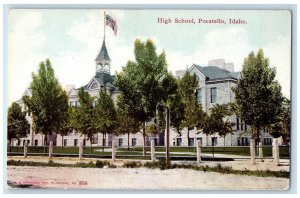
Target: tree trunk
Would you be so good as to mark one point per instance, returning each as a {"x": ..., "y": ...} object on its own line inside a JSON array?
[
  {"x": 103, "y": 141},
  {"x": 45, "y": 144},
  {"x": 257, "y": 135},
  {"x": 10, "y": 144},
  {"x": 144, "y": 139},
  {"x": 188, "y": 137},
  {"x": 62, "y": 141},
  {"x": 90, "y": 145},
  {"x": 128, "y": 141}
]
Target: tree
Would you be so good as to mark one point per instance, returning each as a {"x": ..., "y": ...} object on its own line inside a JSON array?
[
  {"x": 139, "y": 83},
  {"x": 49, "y": 102},
  {"x": 17, "y": 125},
  {"x": 258, "y": 95},
  {"x": 282, "y": 127},
  {"x": 104, "y": 120},
  {"x": 193, "y": 111},
  {"x": 82, "y": 116},
  {"x": 67, "y": 126},
  {"x": 219, "y": 121},
  {"x": 173, "y": 99},
  {"x": 126, "y": 124}
]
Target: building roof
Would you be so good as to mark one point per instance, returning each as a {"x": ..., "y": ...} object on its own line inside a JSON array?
[
  {"x": 104, "y": 79},
  {"x": 103, "y": 54},
  {"x": 216, "y": 73}
]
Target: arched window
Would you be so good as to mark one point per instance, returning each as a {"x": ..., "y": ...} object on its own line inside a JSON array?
[{"x": 94, "y": 86}]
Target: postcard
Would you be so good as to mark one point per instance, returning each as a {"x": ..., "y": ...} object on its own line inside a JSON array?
[{"x": 149, "y": 99}]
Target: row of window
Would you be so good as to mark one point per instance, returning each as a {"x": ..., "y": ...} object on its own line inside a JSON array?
[
  {"x": 213, "y": 95},
  {"x": 191, "y": 141},
  {"x": 74, "y": 103},
  {"x": 77, "y": 104},
  {"x": 243, "y": 141},
  {"x": 240, "y": 124}
]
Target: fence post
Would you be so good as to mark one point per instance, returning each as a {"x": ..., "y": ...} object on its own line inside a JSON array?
[
  {"x": 50, "y": 149},
  {"x": 113, "y": 155},
  {"x": 152, "y": 151},
  {"x": 276, "y": 152},
  {"x": 25, "y": 149},
  {"x": 260, "y": 151},
  {"x": 252, "y": 151},
  {"x": 80, "y": 150},
  {"x": 198, "y": 151}
]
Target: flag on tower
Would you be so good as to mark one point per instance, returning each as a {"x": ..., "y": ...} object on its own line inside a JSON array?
[{"x": 111, "y": 23}]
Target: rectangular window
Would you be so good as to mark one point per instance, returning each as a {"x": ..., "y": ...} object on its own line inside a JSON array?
[
  {"x": 213, "y": 94},
  {"x": 95, "y": 139},
  {"x": 19, "y": 142},
  {"x": 71, "y": 103},
  {"x": 191, "y": 142},
  {"x": 179, "y": 141},
  {"x": 237, "y": 123},
  {"x": 65, "y": 142},
  {"x": 214, "y": 141},
  {"x": 120, "y": 141},
  {"x": 242, "y": 125},
  {"x": 200, "y": 138},
  {"x": 28, "y": 142},
  {"x": 75, "y": 142},
  {"x": 133, "y": 142},
  {"x": 84, "y": 142},
  {"x": 199, "y": 95},
  {"x": 36, "y": 142}
]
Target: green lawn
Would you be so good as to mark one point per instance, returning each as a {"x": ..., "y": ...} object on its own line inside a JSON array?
[{"x": 182, "y": 151}]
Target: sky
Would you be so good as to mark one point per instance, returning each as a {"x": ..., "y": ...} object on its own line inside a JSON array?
[{"x": 72, "y": 39}]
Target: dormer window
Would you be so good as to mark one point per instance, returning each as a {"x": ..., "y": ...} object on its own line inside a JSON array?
[{"x": 94, "y": 86}]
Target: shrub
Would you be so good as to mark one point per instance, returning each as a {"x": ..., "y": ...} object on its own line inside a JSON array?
[
  {"x": 100, "y": 164},
  {"x": 132, "y": 164}
]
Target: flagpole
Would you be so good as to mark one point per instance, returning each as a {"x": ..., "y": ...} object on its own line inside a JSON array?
[{"x": 104, "y": 26}]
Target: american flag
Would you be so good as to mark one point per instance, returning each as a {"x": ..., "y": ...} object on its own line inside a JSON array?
[{"x": 112, "y": 23}]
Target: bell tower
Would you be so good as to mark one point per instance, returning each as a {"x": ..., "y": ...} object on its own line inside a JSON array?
[{"x": 103, "y": 60}]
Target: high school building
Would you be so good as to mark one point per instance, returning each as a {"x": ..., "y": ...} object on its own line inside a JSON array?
[{"x": 215, "y": 83}]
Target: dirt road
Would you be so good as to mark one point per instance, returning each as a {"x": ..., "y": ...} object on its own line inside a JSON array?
[{"x": 139, "y": 178}]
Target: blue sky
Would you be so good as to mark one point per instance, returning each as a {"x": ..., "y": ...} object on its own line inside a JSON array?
[{"x": 71, "y": 39}]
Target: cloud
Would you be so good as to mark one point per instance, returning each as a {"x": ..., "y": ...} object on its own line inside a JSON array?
[
  {"x": 279, "y": 54},
  {"x": 23, "y": 56},
  {"x": 232, "y": 44},
  {"x": 78, "y": 66}
]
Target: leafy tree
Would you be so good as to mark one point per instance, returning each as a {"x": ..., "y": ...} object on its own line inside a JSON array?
[
  {"x": 49, "y": 102},
  {"x": 219, "y": 121},
  {"x": 17, "y": 125},
  {"x": 139, "y": 83},
  {"x": 283, "y": 125},
  {"x": 171, "y": 98},
  {"x": 105, "y": 117},
  {"x": 67, "y": 126},
  {"x": 82, "y": 116},
  {"x": 257, "y": 94},
  {"x": 193, "y": 111},
  {"x": 126, "y": 124}
]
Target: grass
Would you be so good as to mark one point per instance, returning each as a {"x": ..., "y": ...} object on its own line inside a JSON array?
[
  {"x": 161, "y": 164},
  {"x": 132, "y": 164},
  {"x": 98, "y": 164},
  {"x": 182, "y": 151}
]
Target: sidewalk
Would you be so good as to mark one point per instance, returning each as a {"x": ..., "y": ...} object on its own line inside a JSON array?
[{"x": 237, "y": 164}]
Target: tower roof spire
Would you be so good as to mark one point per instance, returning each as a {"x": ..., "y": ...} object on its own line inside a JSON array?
[{"x": 103, "y": 54}]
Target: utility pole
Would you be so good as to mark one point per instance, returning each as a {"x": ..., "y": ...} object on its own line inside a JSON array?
[{"x": 167, "y": 134}]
